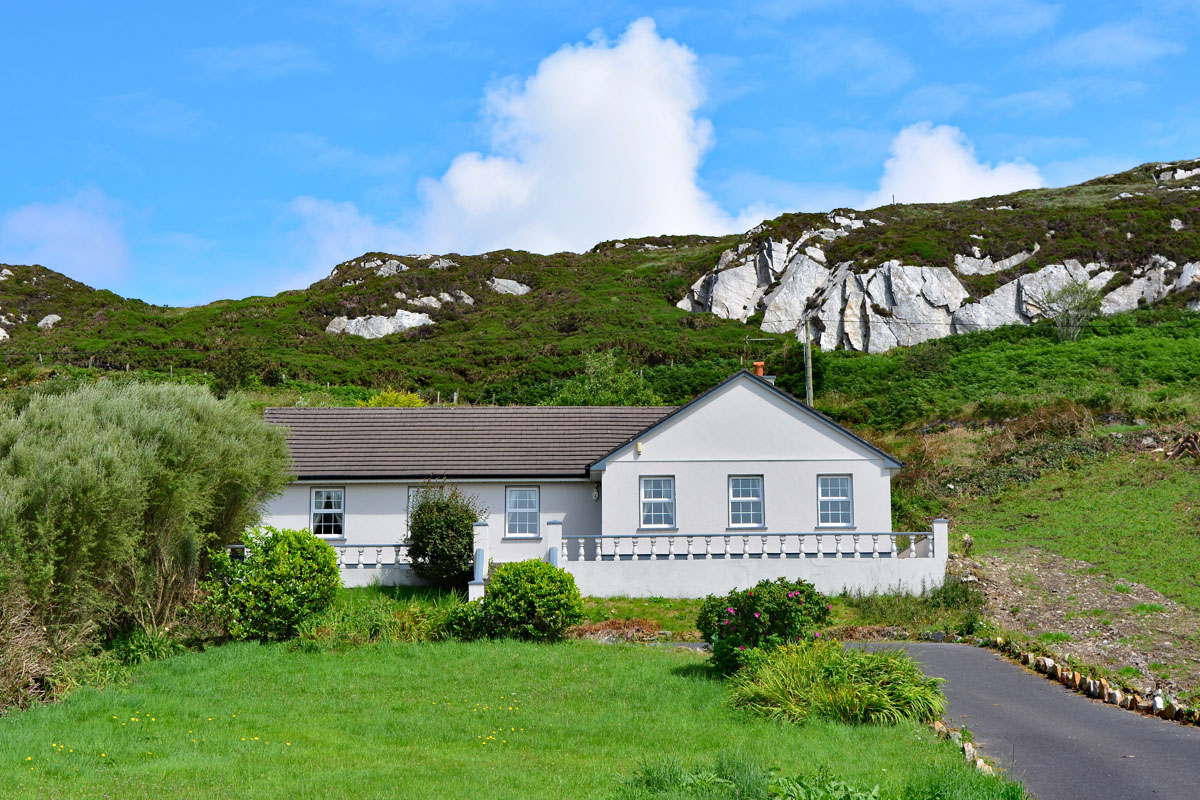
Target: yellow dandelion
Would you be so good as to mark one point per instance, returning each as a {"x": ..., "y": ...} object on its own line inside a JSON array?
[
  {"x": 29, "y": 758},
  {"x": 104, "y": 755},
  {"x": 289, "y": 744}
]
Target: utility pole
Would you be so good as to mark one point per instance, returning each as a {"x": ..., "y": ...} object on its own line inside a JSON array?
[{"x": 807, "y": 363}]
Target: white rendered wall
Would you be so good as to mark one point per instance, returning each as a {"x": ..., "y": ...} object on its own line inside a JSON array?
[
  {"x": 376, "y": 514},
  {"x": 746, "y": 429},
  {"x": 682, "y": 578}
]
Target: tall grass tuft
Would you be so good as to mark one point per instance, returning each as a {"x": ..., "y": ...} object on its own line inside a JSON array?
[
  {"x": 366, "y": 616},
  {"x": 823, "y": 679}
]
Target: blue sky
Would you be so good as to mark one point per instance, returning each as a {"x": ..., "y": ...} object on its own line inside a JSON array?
[{"x": 180, "y": 153}]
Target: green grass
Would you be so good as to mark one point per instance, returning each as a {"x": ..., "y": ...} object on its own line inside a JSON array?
[
  {"x": 1054, "y": 637},
  {"x": 490, "y": 719},
  {"x": 672, "y": 614},
  {"x": 1130, "y": 515}
]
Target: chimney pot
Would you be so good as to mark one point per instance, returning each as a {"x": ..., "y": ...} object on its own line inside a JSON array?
[{"x": 758, "y": 368}]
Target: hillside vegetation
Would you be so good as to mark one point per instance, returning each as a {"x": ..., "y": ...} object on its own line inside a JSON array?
[{"x": 620, "y": 295}]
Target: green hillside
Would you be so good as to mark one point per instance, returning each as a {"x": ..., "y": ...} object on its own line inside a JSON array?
[{"x": 618, "y": 295}]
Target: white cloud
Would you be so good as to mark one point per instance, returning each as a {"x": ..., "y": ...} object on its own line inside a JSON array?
[
  {"x": 602, "y": 141},
  {"x": 82, "y": 237},
  {"x": 931, "y": 164}
]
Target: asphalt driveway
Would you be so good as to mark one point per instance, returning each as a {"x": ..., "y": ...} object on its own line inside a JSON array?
[{"x": 1062, "y": 745}]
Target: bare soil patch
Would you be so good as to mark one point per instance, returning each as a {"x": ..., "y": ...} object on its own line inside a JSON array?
[{"x": 1143, "y": 637}]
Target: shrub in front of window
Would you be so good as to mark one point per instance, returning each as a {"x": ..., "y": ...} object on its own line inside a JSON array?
[
  {"x": 531, "y": 600},
  {"x": 773, "y": 613},
  {"x": 285, "y": 577},
  {"x": 441, "y": 534}
]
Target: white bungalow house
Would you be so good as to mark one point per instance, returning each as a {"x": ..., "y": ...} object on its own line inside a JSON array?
[{"x": 743, "y": 483}]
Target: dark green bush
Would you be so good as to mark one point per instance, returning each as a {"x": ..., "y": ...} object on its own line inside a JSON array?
[
  {"x": 531, "y": 600},
  {"x": 465, "y": 622},
  {"x": 286, "y": 577},
  {"x": 773, "y": 613},
  {"x": 821, "y": 679},
  {"x": 441, "y": 534}
]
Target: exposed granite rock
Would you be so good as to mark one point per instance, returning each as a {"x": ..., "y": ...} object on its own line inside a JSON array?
[
  {"x": 391, "y": 267},
  {"x": 49, "y": 321},
  {"x": 505, "y": 286},
  {"x": 375, "y": 327},
  {"x": 976, "y": 265},
  {"x": 785, "y": 306},
  {"x": 5, "y": 274}
]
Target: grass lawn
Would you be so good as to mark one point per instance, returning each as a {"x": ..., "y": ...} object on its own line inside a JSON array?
[
  {"x": 673, "y": 614},
  {"x": 1133, "y": 517},
  {"x": 488, "y": 719}
]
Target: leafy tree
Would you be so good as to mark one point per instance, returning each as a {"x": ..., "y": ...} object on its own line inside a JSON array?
[
  {"x": 441, "y": 533},
  {"x": 111, "y": 493},
  {"x": 1070, "y": 308},
  {"x": 606, "y": 381},
  {"x": 392, "y": 398}
]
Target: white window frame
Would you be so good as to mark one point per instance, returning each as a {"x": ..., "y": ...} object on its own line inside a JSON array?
[
  {"x": 536, "y": 511},
  {"x": 761, "y": 500},
  {"x": 822, "y": 499},
  {"x": 313, "y": 511},
  {"x": 643, "y": 501}
]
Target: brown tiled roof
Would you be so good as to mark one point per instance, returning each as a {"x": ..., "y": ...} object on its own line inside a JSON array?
[{"x": 483, "y": 442}]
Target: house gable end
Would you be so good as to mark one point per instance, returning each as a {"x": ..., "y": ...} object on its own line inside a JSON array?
[{"x": 745, "y": 418}]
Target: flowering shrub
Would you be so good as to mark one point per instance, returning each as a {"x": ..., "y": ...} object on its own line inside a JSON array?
[{"x": 773, "y": 613}]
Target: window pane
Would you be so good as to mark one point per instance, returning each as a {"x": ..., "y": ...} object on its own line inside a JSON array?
[
  {"x": 658, "y": 502},
  {"x": 522, "y": 512},
  {"x": 327, "y": 499},
  {"x": 834, "y": 503}
]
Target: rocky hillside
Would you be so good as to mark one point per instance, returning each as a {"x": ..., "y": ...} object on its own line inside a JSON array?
[
  {"x": 907, "y": 274},
  {"x": 494, "y": 322}
]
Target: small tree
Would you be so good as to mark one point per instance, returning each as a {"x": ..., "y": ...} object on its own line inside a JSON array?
[
  {"x": 1070, "y": 308},
  {"x": 606, "y": 381},
  {"x": 441, "y": 533},
  {"x": 392, "y": 398}
]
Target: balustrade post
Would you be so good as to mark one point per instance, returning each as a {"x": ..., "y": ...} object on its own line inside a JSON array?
[
  {"x": 689, "y": 556},
  {"x": 856, "y": 553},
  {"x": 874, "y": 545},
  {"x": 379, "y": 557}
]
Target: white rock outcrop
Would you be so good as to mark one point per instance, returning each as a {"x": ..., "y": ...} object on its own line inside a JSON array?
[
  {"x": 391, "y": 267},
  {"x": 506, "y": 286},
  {"x": 443, "y": 263},
  {"x": 375, "y": 327},
  {"x": 464, "y": 298},
  {"x": 428, "y": 301},
  {"x": 874, "y": 309},
  {"x": 5, "y": 274},
  {"x": 49, "y": 321},
  {"x": 975, "y": 265},
  {"x": 1176, "y": 224}
]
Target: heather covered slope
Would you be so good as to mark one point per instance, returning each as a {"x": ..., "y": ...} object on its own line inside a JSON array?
[{"x": 484, "y": 343}]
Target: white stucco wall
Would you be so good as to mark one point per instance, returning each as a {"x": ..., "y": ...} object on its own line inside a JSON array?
[
  {"x": 746, "y": 429},
  {"x": 376, "y": 514}
]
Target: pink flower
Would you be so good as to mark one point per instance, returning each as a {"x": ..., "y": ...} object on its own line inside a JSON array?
[
  {"x": 816, "y": 636},
  {"x": 828, "y": 607},
  {"x": 741, "y": 647},
  {"x": 756, "y": 614}
]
